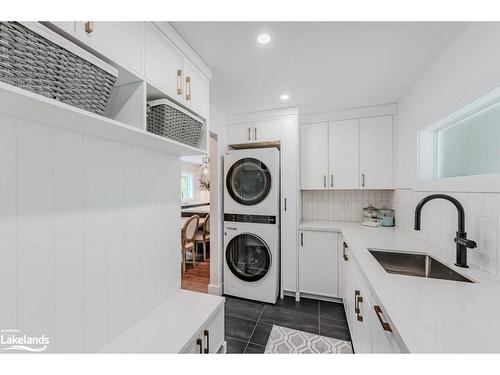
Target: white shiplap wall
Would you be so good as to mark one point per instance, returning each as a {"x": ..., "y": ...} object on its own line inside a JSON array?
[
  {"x": 342, "y": 205},
  {"x": 87, "y": 245},
  {"x": 439, "y": 223}
]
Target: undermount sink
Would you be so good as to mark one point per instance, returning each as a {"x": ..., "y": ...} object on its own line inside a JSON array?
[{"x": 415, "y": 264}]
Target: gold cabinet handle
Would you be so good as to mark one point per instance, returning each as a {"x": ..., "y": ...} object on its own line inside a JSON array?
[
  {"x": 302, "y": 239},
  {"x": 206, "y": 334},
  {"x": 360, "y": 317},
  {"x": 344, "y": 246},
  {"x": 331, "y": 180},
  {"x": 356, "y": 294},
  {"x": 285, "y": 204},
  {"x": 255, "y": 133},
  {"x": 379, "y": 313},
  {"x": 89, "y": 27},
  {"x": 363, "y": 180},
  {"x": 188, "y": 88},
  {"x": 179, "y": 82},
  {"x": 249, "y": 134},
  {"x": 324, "y": 180}
]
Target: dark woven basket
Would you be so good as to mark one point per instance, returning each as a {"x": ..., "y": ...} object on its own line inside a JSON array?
[
  {"x": 33, "y": 63},
  {"x": 171, "y": 123}
]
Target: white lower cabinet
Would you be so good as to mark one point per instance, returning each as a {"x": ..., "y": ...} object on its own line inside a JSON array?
[
  {"x": 383, "y": 339},
  {"x": 210, "y": 338},
  {"x": 362, "y": 319},
  {"x": 371, "y": 331},
  {"x": 318, "y": 263}
]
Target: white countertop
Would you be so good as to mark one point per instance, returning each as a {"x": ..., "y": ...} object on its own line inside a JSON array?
[
  {"x": 169, "y": 327},
  {"x": 430, "y": 315}
]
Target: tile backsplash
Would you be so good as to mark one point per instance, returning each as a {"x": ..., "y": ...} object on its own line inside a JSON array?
[
  {"x": 343, "y": 205},
  {"x": 439, "y": 223}
]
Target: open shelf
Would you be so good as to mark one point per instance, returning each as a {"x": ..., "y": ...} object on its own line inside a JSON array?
[{"x": 25, "y": 105}]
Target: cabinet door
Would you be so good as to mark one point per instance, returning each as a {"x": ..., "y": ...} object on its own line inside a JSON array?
[
  {"x": 344, "y": 154},
  {"x": 213, "y": 333},
  {"x": 318, "y": 263},
  {"x": 362, "y": 319},
  {"x": 289, "y": 189},
  {"x": 197, "y": 90},
  {"x": 162, "y": 64},
  {"x": 122, "y": 42},
  {"x": 376, "y": 152},
  {"x": 348, "y": 286},
  {"x": 383, "y": 338},
  {"x": 239, "y": 133},
  {"x": 267, "y": 130},
  {"x": 314, "y": 156}
]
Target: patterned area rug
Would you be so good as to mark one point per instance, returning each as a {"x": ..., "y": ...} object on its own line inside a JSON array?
[{"x": 290, "y": 341}]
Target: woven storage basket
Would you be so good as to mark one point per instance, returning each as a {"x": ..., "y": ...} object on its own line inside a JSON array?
[
  {"x": 43, "y": 65},
  {"x": 167, "y": 120}
]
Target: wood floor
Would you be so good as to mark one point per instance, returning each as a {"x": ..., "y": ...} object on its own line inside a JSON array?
[{"x": 197, "y": 278}]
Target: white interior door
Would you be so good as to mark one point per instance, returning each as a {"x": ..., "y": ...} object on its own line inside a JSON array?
[
  {"x": 314, "y": 156},
  {"x": 344, "y": 154},
  {"x": 376, "y": 152}
]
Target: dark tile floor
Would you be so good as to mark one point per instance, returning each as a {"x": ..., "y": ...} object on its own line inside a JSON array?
[{"x": 248, "y": 323}]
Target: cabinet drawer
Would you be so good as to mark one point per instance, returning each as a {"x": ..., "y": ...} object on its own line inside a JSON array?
[{"x": 384, "y": 338}]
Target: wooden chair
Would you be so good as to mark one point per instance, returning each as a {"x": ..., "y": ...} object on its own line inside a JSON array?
[
  {"x": 203, "y": 236},
  {"x": 188, "y": 234}
]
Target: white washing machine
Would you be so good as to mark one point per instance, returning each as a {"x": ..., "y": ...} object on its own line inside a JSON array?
[
  {"x": 252, "y": 184},
  {"x": 251, "y": 257}
]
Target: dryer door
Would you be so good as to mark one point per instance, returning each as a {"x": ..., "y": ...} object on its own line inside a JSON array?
[
  {"x": 248, "y": 257},
  {"x": 248, "y": 181}
]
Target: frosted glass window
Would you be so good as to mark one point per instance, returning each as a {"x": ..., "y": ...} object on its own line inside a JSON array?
[{"x": 471, "y": 146}]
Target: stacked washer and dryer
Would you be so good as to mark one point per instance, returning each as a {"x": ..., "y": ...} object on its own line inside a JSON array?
[{"x": 251, "y": 224}]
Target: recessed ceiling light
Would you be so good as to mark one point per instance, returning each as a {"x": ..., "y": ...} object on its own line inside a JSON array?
[
  {"x": 264, "y": 38},
  {"x": 284, "y": 97}
]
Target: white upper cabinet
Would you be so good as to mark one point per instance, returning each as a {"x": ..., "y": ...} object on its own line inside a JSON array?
[
  {"x": 343, "y": 163},
  {"x": 196, "y": 90},
  {"x": 122, "y": 42},
  {"x": 239, "y": 133},
  {"x": 347, "y": 154},
  {"x": 164, "y": 66},
  {"x": 376, "y": 152},
  {"x": 269, "y": 130},
  {"x": 314, "y": 156}
]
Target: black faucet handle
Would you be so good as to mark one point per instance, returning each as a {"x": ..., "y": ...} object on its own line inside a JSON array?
[{"x": 465, "y": 242}]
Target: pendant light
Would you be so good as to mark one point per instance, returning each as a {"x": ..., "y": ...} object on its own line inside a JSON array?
[{"x": 204, "y": 174}]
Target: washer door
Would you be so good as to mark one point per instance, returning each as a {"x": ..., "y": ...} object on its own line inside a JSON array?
[
  {"x": 248, "y": 181},
  {"x": 248, "y": 257}
]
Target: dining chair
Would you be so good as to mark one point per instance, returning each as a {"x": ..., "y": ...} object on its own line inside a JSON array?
[
  {"x": 188, "y": 234},
  {"x": 203, "y": 236}
]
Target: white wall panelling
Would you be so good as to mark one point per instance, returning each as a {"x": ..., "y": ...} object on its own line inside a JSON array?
[
  {"x": 439, "y": 223},
  {"x": 343, "y": 205},
  {"x": 8, "y": 227},
  {"x": 84, "y": 242},
  {"x": 465, "y": 70}
]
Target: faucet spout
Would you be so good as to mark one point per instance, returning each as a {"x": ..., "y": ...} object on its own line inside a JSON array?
[{"x": 461, "y": 239}]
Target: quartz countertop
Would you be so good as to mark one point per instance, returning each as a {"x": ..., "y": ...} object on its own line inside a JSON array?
[{"x": 430, "y": 315}]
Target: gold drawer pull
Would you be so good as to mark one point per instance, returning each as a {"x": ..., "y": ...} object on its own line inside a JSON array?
[{"x": 379, "y": 313}]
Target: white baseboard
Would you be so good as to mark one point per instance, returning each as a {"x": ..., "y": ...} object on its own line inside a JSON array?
[{"x": 215, "y": 289}]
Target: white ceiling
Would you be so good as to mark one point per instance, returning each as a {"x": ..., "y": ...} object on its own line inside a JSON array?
[{"x": 324, "y": 66}]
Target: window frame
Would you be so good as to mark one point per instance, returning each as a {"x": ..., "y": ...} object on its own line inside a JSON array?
[
  {"x": 190, "y": 186},
  {"x": 427, "y": 152}
]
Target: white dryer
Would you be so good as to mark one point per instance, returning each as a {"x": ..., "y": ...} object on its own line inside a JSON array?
[
  {"x": 252, "y": 184},
  {"x": 251, "y": 257}
]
